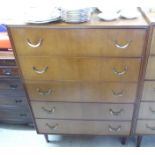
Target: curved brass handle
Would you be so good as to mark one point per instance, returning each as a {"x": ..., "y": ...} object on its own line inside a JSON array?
[
  {"x": 36, "y": 45},
  {"x": 44, "y": 93},
  {"x": 153, "y": 111},
  {"x": 115, "y": 42},
  {"x": 149, "y": 127},
  {"x": 112, "y": 129},
  {"x": 118, "y": 94},
  {"x": 115, "y": 113},
  {"x": 120, "y": 73},
  {"x": 40, "y": 71},
  {"x": 49, "y": 111},
  {"x": 52, "y": 127}
]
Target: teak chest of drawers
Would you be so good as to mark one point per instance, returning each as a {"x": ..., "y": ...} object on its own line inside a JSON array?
[{"x": 82, "y": 78}]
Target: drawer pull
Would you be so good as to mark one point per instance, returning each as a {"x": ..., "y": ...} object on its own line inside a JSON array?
[
  {"x": 115, "y": 113},
  {"x": 150, "y": 108},
  {"x": 121, "y": 46},
  {"x": 34, "y": 45},
  {"x": 18, "y": 101},
  {"x": 7, "y": 72},
  {"x": 13, "y": 86},
  {"x": 149, "y": 127},
  {"x": 49, "y": 111},
  {"x": 40, "y": 71},
  {"x": 112, "y": 129},
  {"x": 53, "y": 127},
  {"x": 120, "y": 73},
  {"x": 118, "y": 94},
  {"x": 44, "y": 93}
]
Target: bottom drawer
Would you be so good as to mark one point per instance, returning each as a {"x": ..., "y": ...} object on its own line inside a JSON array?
[
  {"x": 83, "y": 127},
  {"x": 145, "y": 127},
  {"x": 15, "y": 114}
]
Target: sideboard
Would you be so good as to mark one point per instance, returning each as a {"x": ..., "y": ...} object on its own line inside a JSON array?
[{"x": 83, "y": 78}]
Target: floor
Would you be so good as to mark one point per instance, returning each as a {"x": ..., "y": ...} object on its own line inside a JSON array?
[{"x": 18, "y": 135}]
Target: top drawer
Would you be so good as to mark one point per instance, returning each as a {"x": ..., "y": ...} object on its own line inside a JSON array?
[
  {"x": 78, "y": 42},
  {"x": 152, "y": 52}
]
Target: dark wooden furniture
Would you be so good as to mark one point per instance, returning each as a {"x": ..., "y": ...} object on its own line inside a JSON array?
[{"x": 13, "y": 102}]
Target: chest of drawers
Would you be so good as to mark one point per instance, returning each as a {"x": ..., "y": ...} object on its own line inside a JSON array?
[
  {"x": 146, "y": 116},
  {"x": 13, "y": 102},
  {"x": 81, "y": 78}
]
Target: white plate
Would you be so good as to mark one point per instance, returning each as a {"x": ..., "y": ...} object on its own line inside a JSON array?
[
  {"x": 108, "y": 16},
  {"x": 42, "y": 22},
  {"x": 129, "y": 14}
]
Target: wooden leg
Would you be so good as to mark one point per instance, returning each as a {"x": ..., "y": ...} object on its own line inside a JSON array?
[
  {"x": 124, "y": 140},
  {"x": 46, "y": 137},
  {"x": 139, "y": 140}
]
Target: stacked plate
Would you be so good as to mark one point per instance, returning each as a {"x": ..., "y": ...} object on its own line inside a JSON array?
[
  {"x": 36, "y": 16},
  {"x": 75, "y": 15}
]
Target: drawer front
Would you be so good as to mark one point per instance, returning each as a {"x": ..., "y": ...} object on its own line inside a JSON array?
[
  {"x": 83, "y": 127},
  {"x": 7, "y": 62},
  {"x": 13, "y": 101},
  {"x": 88, "y": 111},
  {"x": 147, "y": 110},
  {"x": 87, "y": 69},
  {"x": 15, "y": 113},
  {"x": 145, "y": 127},
  {"x": 152, "y": 52},
  {"x": 150, "y": 72},
  {"x": 149, "y": 91},
  {"x": 8, "y": 72},
  {"x": 10, "y": 84},
  {"x": 82, "y": 92},
  {"x": 78, "y": 42},
  {"x": 10, "y": 93}
]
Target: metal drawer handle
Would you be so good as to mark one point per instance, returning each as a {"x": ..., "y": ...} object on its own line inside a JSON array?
[
  {"x": 120, "y": 73},
  {"x": 49, "y": 111},
  {"x": 149, "y": 127},
  {"x": 6, "y": 72},
  {"x": 18, "y": 101},
  {"x": 40, "y": 71},
  {"x": 53, "y": 127},
  {"x": 44, "y": 93},
  {"x": 13, "y": 86},
  {"x": 36, "y": 45},
  {"x": 112, "y": 129},
  {"x": 150, "y": 108},
  {"x": 118, "y": 94},
  {"x": 115, "y": 113},
  {"x": 115, "y": 42}
]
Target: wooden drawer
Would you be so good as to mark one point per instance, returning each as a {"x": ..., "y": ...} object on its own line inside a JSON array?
[
  {"x": 152, "y": 52},
  {"x": 149, "y": 91},
  {"x": 87, "y": 111},
  {"x": 87, "y": 69},
  {"x": 78, "y": 42},
  {"x": 147, "y": 110},
  {"x": 6, "y": 101},
  {"x": 10, "y": 84},
  {"x": 7, "y": 62},
  {"x": 83, "y": 127},
  {"x": 82, "y": 91},
  {"x": 150, "y": 72},
  {"x": 15, "y": 114},
  {"x": 145, "y": 127},
  {"x": 8, "y": 71}
]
